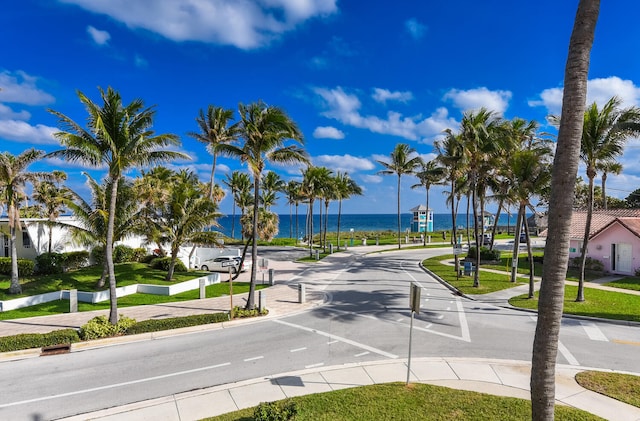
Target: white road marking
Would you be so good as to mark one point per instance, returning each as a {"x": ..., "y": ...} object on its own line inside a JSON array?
[
  {"x": 400, "y": 319},
  {"x": 362, "y": 354},
  {"x": 254, "y": 358},
  {"x": 567, "y": 354},
  {"x": 113, "y": 386},
  {"x": 345, "y": 340},
  {"x": 332, "y": 342},
  {"x": 298, "y": 349},
  {"x": 428, "y": 325},
  {"x": 593, "y": 332},
  {"x": 314, "y": 365}
]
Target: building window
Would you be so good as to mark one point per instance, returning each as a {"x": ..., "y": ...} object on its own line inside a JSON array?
[{"x": 26, "y": 240}]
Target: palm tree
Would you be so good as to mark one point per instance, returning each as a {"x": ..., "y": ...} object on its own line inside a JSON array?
[
  {"x": 313, "y": 181},
  {"x": 237, "y": 182},
  {"x": 565, "y": 168},
  {"x": 292, "y": 190},
  {"x": 345, "y": 188},
  {"x": 429, "y": 175},
  {"x": 608, "y": 167},
  {"x": 603, "y": 137},
  {"x": 52, "y": 198},
  {"x": 118, "y": 137},
  {"x": 265, "y": 131},
  {"x": 13, "y": 179},
  {"x": 271, "y": 185},
  {"x": 403, "y": 160},
  {"x": 215, "y": 131}
]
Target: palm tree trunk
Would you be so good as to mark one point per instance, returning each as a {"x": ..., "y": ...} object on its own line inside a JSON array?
[
  {"x": 565, "y": 168},
  {"x": 113, "y": 299},
  {"x": 339, "y": 216},
  {"x": 585, "y": 241},
  {"x": 326, "y": 222},
  {"x": 14, "y": 287},
  {"x": 426, "y": 221},
  {"x": 211, "y": 181},
  {"x": 103, "y": 277},
  {"x": 468, "y": 221},
  {"x": 172, "y": 264},
  {"x": 310, "y": 234},
  {"x": 495, "y": 224},
  {"x": 531, "y": 263},
  {"x": 297, "y": 229},
  {"x": 399, "y": 212},
  {"x": 476, "y": 273},
  {"x": 254, "y": 243},
  {"x": 454, "y": 232},
  {"x": 604, "y": 190},
  {"x": 233, "y": 220},
  {"x": 50, "y": 238},
  {"x": 290, "y": 221},
  {"x": 516, "y": 244}
]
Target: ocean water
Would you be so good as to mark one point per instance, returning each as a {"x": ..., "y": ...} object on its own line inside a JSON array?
[{"x": 357, "y": 222}]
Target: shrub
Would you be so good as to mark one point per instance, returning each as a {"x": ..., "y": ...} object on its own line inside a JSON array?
[
  {"x": 162, "y": 263},
  {"x": 50, "y": 263},
  {"x": 284, "y": 410},
  {"x": 239, "y": 312},
  {"x": 99, "y": 327},
  {"x": 638, "y": 271},
  {"x": 25, "y": 266},
  {"x": 76, "y": 259},
  {"x": 485, "y": 253},
  {"x": 589, "y": 264},
  {"x": 157, "y": 325},
  {"x": 139, "y": 253},
  {"x": 122, "y": 254},
  {"x": 148, "y": 258},
  {"x": 97, "y": 255},
  {"x": 38, "y": 340}
]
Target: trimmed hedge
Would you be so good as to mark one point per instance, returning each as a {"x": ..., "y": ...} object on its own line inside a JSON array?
[
  {"x": 25, "y": 266},
  {"x": 54, "y": 263},
  {"x": 157, "y": 325},
  {"x": 485, "y": 254},
  {"x": 38, "y": 340},
  {"x": 162, "y": 263},
  {"x": 99, "y": 327}
]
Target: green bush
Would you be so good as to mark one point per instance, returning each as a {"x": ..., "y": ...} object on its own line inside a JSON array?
[
  {"x": 239, "y": 312},
  {"x": 157, "y": 325},
  {"x": 25, "y": 266},
  {"x": 76, "y": 259},
  {"x": 50, "y": 263},
  {"x": 485, "y": 253},
  {"x": 589, "y": 264},
  {"x": 284, "y": 410},
  {"x": 38, "y": 340},
  {"x": 162, "y": 263},
  {"x": 97, "y": 255},
  {"x": 122, "y": 254},
  {"x": 99, "y": 327},
  {"x": 148, "y": 258},
  {"x": 139, "y": 254}
]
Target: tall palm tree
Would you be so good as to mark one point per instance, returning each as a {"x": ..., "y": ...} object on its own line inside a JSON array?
[
  {"x": 118, "y": 137},
  {"x": 345, "y": 188},
  {"x": 451, "y": 156},
  {"x": 313, "y": 181},
  {"x": 430, "y": 174},
  {"x": 13, "y": 179},
  {"x": 292, "y": 191},
  {"x": 565, "y": 168},
  {"x": 608, "y": 167},
  {"x": 237, "y": 183},
  {"x": 271, "y": 185},
  {"x": 51, "y": 198},
  {"x": 215, "y": 130},
  {"x": 265, "y": 131},
  {"x": 603, "y": 137},
  {"x": 403, "y": 160}
]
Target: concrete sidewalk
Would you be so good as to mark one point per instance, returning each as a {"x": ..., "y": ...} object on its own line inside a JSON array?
[{"x": 496, "y": 377}]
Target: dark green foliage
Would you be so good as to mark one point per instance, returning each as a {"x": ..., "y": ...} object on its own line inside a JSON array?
[
  {"x": 138, "y": 254},
  {"x": 156, "y": 325},
  {"x": 50, "y": 263},
  {"x": 38, "y": 340},
  {"x": 590, "y": 264},
  {"x": 162, "y": 263},
  {"x": 97, "y": 255},
  {"x": 283, "y": 410},
  {"x": 239, "y": 312},
  {"x": 76, "y": 259},
  {"x": 99, "y": 327},
  {"x": 25, "y": 266},
  {"x": 122, "y": 254},
  {"x": 148, "y": 258},
  {"x": 485, "y": 254}
]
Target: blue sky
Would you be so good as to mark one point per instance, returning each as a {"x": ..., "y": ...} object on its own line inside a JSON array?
[{"x": 358, "y": 77}]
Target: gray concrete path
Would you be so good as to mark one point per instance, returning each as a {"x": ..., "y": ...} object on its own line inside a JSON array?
[{"x": 499, "y": 377}]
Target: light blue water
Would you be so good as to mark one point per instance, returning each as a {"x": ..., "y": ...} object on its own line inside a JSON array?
[{"x": 359, "y": 222}]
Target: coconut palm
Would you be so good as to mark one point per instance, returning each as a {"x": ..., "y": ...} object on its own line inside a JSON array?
[
  {"x": 345, "y": 188},
  {"x": 314, "y": 179},
  {"x": 403, "y": 160},
  {"x": 292, "y": 190},
  {"x": 13, "y": 179},
  {"x": 430, "y": 174},
  {"x": 265, "y": 131},
  {"x": 215, "y": 130},
  {"x": 51, "y": 198},
  {"x": 608, "y": 167},
  {"x": 271, "y": 185},
  {"x": 565, "y": 167},
  {"x": 118, "y": 137},
  {"x": 237, "y": 182}
]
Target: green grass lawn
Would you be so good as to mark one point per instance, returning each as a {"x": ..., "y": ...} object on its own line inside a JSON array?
[
  {"x": 397, "y": 401},
  {"x": 598, "y": 303},
  {"x": 85, "y": 279},
  {"x": 623, "y": 387},
  {"x": 629, "y": 282}
]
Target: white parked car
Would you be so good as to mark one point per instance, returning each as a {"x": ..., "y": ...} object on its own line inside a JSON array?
[{"x": 222, "y": 264}]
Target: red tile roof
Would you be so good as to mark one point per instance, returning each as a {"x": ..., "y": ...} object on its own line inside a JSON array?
[{"x": 629, "y": 218}]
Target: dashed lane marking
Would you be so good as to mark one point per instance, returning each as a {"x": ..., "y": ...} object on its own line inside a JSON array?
[{"x": 298, "y": 349}]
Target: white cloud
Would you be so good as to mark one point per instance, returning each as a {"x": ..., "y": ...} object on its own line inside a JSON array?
[
  {"x": 23, "y": 132},
  {"x": 328, "y": 132},
  {"x": 384, "y": 95},
  {"x": 474, "y": 99},
  {"x": 415, "y": 28},
  {"x": 373, "y": 179},
  {"x": 244, "y": 24},
  {"x": 345, "y": 108},
  {"x": 343, "y": 163},
  {"x": 98, "y": 36},
  {"x": 20, "y": 88},
  {"x": 598, "y": 90},
  {"x": 8, "y": 113}
]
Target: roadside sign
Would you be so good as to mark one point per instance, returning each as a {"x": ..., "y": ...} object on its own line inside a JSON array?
[
  {"x": 414, "y": 297},
  {"x": 457, "y": 249}
]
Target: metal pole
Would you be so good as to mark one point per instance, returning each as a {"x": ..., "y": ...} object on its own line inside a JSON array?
[{"x": 410, "y": 340}]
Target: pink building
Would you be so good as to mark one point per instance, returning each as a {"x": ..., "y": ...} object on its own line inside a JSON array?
[{"x": 614, "y": 239}]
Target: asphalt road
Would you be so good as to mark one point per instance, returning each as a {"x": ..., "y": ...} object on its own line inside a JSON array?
[{"x": 366, "y": 318}]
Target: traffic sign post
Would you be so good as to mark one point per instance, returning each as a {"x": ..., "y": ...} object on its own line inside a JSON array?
[{"x": 414, "y": 304}]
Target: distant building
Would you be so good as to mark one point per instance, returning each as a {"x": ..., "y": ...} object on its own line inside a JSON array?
[{"x": 422, "y": 220}]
